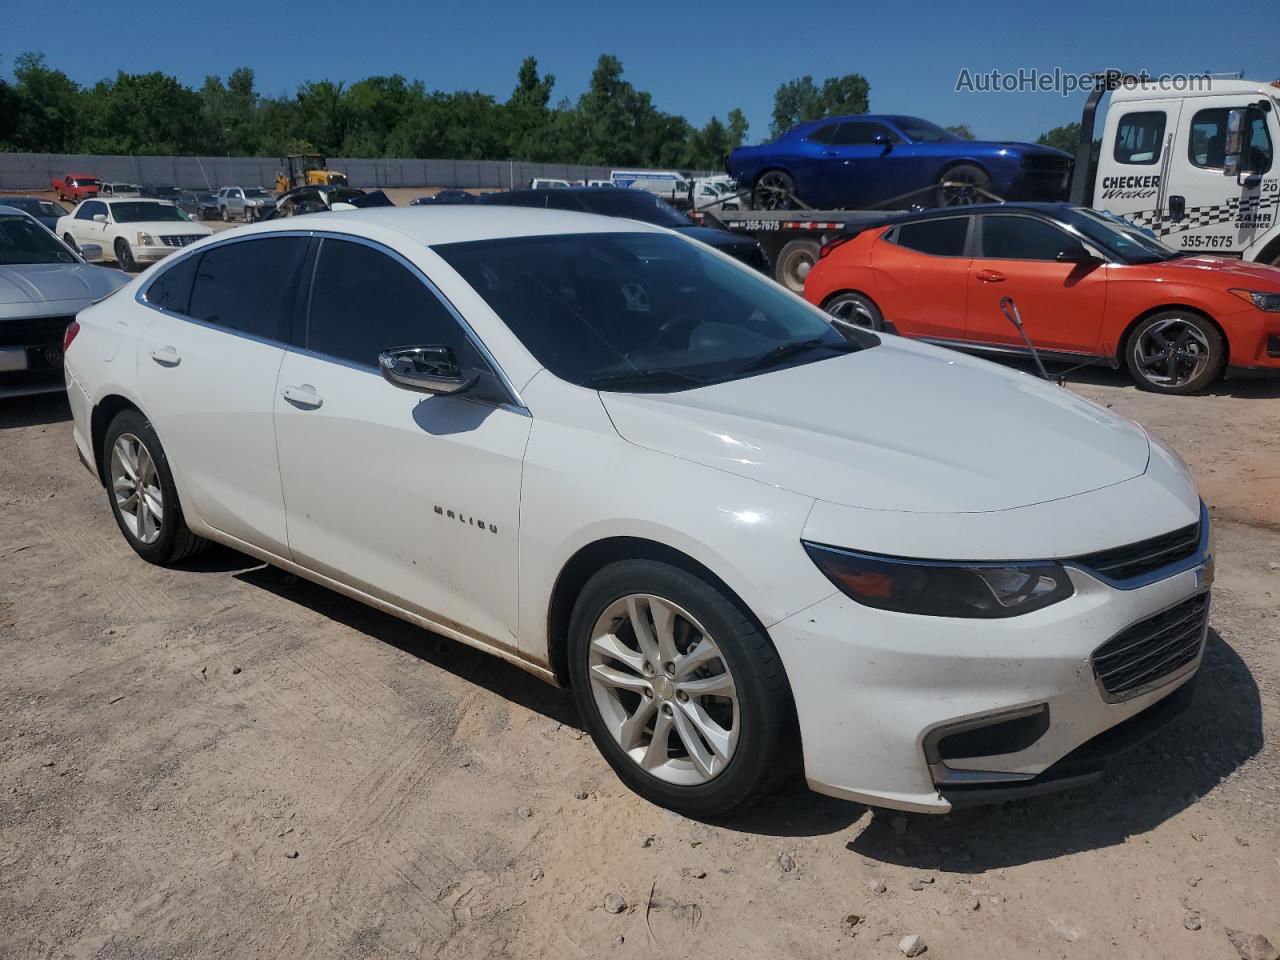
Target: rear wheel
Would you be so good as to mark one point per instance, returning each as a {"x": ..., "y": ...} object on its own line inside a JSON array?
[
  {"x": 1175, "y": 351},
  {"x": 682, "y": 693},
  {"x": 774, "y": 190},
  {"x": 963, "y": 185},
  {"x": 855, "y": 310},
  {"x": 144, "y": 500},
  {"x": 795, "y": 260}
]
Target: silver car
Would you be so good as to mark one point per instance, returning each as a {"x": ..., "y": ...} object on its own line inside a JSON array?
[
  {"x": 247, "y": 203},
  {"x": 43, "y": 285}
]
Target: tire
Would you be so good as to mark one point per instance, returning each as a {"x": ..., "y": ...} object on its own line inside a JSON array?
[
  {"x": 222, "y": 214},
  {"x": 756, "y": 752},
  {"x": 856, "y": 310},
  {"x": 124, "y": 257},
  {"x": 967, "y": 177},
  {"x": 166, "y": 539},
  {"x": 795, "y": 260},
  {"x": 774, "y": 190},
  {"x": 1175, "y": 352}
]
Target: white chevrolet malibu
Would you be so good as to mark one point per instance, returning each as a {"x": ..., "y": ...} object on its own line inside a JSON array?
[{"x": 750, "y": 542}]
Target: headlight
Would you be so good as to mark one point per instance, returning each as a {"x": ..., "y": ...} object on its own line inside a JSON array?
[
  {"x": 1269, "y": 302},
  {"x": 146, "y": 240},
  {"x": 940, "y": 588}
]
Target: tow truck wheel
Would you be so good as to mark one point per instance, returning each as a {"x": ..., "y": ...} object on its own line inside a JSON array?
[
  {"x": 795, "y": 260},
  {"x": 963, "y": 185},
  {"x": 774, "y": 190},
  {"x": 855, "y": 310}
]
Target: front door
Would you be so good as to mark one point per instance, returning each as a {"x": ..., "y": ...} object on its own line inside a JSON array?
[
  {"x": 84, "y": 229},
  {"x": 411, "y": 497},
  {"x": 207, "y": 370},
  {"x": 1059, "y": 291}
]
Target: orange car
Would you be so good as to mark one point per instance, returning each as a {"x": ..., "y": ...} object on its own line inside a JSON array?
[{"x": 1086, "y": 285}]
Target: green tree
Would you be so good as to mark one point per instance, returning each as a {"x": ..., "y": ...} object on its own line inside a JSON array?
[
  {"x": 147, "y": 113},
  {"x": 48, "y": 107},
  {"x": 1063, "y": 138},
  {"x": 738, "y": 128},
  {"x": 961, "y": 130},
  {"x": 798, "y": 101}
]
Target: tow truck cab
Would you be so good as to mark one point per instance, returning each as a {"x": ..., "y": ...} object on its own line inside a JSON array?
[{"x": 1197, "y": 167}]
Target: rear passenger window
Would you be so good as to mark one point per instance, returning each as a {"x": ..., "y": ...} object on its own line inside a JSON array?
[
  {"x": 825, "y": 134},
  {"x": 171, "y": 290},
  {"x": 940, "y": 238},
  {"x": 249, "y": 286},
  {"x": 341, "y": 324},
  {"x": 1139, "y": 137}
]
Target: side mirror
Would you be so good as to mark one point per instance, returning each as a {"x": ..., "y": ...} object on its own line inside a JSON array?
[
  {"x": 883, "y": 141},
  {"x": 1234, "y": 147},
  {"x": 99, "y": 218},
  {"x": 425, "y": 369},
  {"x": 90, "y": 251}
]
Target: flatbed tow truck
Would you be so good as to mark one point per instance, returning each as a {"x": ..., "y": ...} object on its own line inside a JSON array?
[{"x": 1199, "y": 169}]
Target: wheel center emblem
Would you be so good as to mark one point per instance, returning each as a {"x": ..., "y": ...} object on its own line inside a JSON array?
[{"x": 664, "y": 688}]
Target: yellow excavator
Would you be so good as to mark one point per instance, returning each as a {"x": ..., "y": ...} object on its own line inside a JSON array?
[{"x": 306, "y": 170}]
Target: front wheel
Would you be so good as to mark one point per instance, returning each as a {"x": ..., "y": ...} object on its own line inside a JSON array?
[
  {"x": 1175, "y": 352},
  {"x": 964, "y": 185},
  {"x": 855, "y": 310},
  {"x": 144, "y": 499},
  {"x": 124, "y": 257},
  {"x": 682, "y": 692}
]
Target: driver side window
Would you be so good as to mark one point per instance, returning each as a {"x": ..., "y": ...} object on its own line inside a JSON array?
[
  {"x": 1024, "y": 238},
  {"x": 343, "y": 324}
]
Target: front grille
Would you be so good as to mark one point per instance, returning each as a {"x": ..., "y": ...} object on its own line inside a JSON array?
[
  {"x": 33, "y": 331},
  {"x": 1141, "y": 655},
  {"x": 1041, "y": 164},
  {"x": 1145, "y": 556},
  {"x": 179, "y": 239}
]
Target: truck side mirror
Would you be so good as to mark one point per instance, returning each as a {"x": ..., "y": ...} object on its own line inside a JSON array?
[{"x": 1236, "y": 147}]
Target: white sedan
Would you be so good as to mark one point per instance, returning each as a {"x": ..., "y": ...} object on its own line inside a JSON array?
[
  {"x": 135, "y": 232},
  {"x": 748, "y": 541}
]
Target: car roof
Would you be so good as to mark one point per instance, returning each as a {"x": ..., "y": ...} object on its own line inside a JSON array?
[
  {"x": 457, "y": 223},
  {"x": 1056, "y": 211}
]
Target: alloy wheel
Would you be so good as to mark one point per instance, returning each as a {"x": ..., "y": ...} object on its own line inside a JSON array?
[
  {"x": 1171, "y": 352},
  {"x": 664, "y": 690},
  {"x": 960, "y": 191},
  {"x": 774, "y": 191},
  {"x": 854, "y": 313},
  {"x": 136, "y": 487}
]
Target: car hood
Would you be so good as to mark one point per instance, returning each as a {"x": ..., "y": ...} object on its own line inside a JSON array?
[
  {"x": 901, "y": 426},
  {"x": 1036, "y": 149},
  {"x": 46, "y": 282},
  {"x": 1219, "y": 269}
]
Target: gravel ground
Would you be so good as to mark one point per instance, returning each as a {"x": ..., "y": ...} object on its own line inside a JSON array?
[{"x": 226, "y": 761}]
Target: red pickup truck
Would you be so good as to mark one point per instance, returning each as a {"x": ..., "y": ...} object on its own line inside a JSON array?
[{"x": 76, "y": 186}]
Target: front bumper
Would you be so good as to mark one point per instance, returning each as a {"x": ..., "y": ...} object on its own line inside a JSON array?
[{"x": 874, "y": 691}]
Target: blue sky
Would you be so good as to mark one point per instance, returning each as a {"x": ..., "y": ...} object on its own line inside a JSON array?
[{"x": 697, "y": 59}]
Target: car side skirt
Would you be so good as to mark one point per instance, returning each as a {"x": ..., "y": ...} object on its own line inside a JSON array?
[
  {"x": 1012, "y": 350},
  {"x": 485, "y": 644}
]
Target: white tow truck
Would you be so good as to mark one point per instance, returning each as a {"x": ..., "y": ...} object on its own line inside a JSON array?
[{"x": 1199, "y": 168}]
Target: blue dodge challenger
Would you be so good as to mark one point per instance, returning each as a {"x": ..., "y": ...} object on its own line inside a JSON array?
[{"x": 894, "y": 161}]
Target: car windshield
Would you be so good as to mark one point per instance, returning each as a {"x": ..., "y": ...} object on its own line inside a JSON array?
[
  {"x": 634, "y": 205},
  {"x": 922, "y": 131},
  {"x": 1120, "y": 237},
  {"x": 23, "y": 240},
  {"x": 641, "y": 312},
  {"x": 35, "y": 207},
  {"x": 85, "y": 182},
  {"x": 255, "y": 192},
  {"x": 144, "y": 212}
]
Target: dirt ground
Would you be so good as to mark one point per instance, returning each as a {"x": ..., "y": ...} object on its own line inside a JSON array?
[{"x": 226, "y": 761}]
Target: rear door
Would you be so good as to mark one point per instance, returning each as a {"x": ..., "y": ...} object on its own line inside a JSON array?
[
  {"x": 411, "y": 497},
  {"x": 1058, "y": 292},
  {"x": 922, "y": 270},
  {"x": 207, "y": 370}
]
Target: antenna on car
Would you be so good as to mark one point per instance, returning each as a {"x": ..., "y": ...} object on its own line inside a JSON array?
[{"x": 1010, "y": 310}]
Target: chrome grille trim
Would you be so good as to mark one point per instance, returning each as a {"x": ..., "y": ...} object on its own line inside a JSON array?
[{"x": 1152, "y": 652}]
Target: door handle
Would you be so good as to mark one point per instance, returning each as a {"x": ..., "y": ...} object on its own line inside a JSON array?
[
  {"x": 303, "y": 396},
  {"x": 166, "y": 357},
  {"x": 1177, "y": 207},
  {"x": 990, "y": 276}
]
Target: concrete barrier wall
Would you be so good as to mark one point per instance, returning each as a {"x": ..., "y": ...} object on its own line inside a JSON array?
[{"x": 33, "y": 171}]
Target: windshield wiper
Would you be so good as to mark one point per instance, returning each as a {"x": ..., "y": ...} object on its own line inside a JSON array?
[
  {"x": 787, "y": 350},
  {"x": 639, "y": 378}
]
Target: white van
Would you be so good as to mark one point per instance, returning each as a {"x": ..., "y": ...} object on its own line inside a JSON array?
[{"x": 667, "y": 184}]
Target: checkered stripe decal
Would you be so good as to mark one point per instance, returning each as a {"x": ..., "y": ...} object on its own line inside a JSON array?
[{"x": 1197, "y": 217}]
